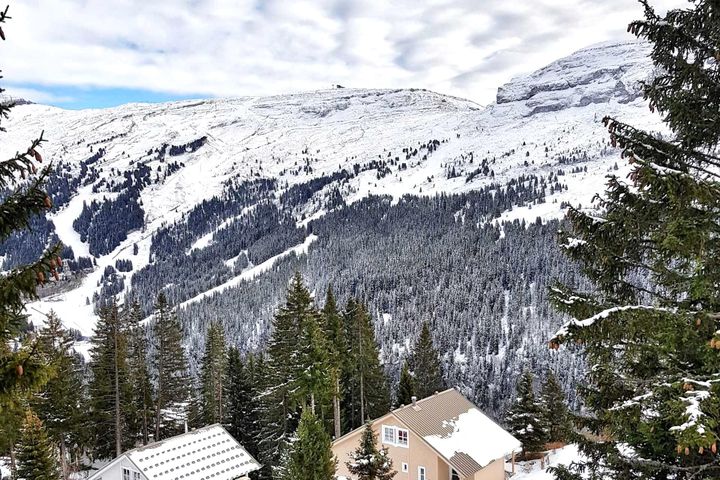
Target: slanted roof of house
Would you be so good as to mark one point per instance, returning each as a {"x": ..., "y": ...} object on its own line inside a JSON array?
[
  {"x": 458, "y": 430},
  {"x": 203, "y": 454}
]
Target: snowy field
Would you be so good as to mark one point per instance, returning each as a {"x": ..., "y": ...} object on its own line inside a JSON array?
[{"x": 533, "y": 471}]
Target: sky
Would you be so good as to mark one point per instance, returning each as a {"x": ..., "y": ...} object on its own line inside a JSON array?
[{"x": 100, "y": 53}]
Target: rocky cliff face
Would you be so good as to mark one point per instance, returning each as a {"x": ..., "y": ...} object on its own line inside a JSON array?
[{"x": 597, "y": 74}]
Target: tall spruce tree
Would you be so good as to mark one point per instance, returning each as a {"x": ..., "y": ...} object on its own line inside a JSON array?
[
  {"x": 406, "y": 386},
  {"x": 109, "y": 388},
  {"x": 557, "y": 415},
  {"x": 526, "y": 418},
  {"x": 283, "y": 397},
  {"x": 426, "y": 366},
  {"x": 170, "y": 369},
  {"x": 369, "y": 463},
  {"x": 62, "y": 404},
  {"x": 337, "y": 354},
  {"x": 24, "y": 368},
  {"x": 213, "y": 372},
  {"x": 244, "y": 383},
  {"x": 36, "y": 457},
  {"x": 311, "y": 456},
  {"x": 649, "y": 326},
  {"x": 365, "y": 385},
  {"x": 141, "y": 402}
]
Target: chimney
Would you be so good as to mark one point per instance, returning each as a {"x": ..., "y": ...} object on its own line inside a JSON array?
[{"x": 414, "y": 400}]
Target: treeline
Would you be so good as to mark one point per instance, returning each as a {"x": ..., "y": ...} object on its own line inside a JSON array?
[{"x": 138, "y": 387}]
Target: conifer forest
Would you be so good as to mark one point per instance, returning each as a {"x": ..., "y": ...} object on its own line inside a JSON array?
[{"x": 301, "y": 270}]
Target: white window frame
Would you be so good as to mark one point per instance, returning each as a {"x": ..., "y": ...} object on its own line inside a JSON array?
[
  {"x": 422, "y": 473},
  {"x": 395, "y": 436},
  {"x": 126, "y": 471},
  {"x": 136, "y": 475},
  {"x": 450, "y": 475},
  {"x": 405, "y": 467}
]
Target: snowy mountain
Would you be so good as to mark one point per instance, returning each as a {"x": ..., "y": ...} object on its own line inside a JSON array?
[{"x": 215, "y": 202}]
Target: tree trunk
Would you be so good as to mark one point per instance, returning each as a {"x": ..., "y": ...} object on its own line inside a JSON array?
[
  {"x": 145, "y": 423},
  {"x": 118, "y": 436},
  {"x": 312, "y": 402},
  {"x": 63, "y": 460},
  {"x": 362, "y": 379},
  {"x": 13, "y": 464},
  {"x": 336, "y": 407}
]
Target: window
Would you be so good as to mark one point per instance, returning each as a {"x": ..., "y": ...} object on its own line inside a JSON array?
[
  {"x": 136, "y": 475},
  {"x": 402, "y": 437},
  {"x": 388, "y": 434},
  {"x": 453, "y": 474},
  {"x": 405, "y": 467},
  {"x": 395, "y": 436},
  {"x": 126, "y": 474},
  {"x": 421, "y": 473}
]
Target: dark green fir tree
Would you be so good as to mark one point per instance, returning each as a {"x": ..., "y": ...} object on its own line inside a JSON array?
[
  {"x": 526, "y": 419},
  {"x": 62, "y": 403},
  {"x": 36, "y": 457},
  {"x": 244, "y": 386},
  {"x": 365, "y": 386},
  {"x": 213, "y": 373},
  {"x": 109, "y": 388},
  {"x": 22, "y": 182},
  {"x": 140, "y": 416},
  {"x": 170, "y": 369},
  {"x": 337, "y": 349},
  {"x": 282, "y": 399},
  {"x": 557, "y": 415},
  {"x": 649, "y": 324},
  {"x": 311, "y": 456},
  {"x": 369, "y": 463},
  {"x": 426, "y": 366},
  {"x": 406, "y": 386}
]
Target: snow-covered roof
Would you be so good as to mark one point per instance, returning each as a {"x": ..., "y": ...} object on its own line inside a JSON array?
[
  {"x": 450, "y": 423},
  {"x": 203, "y": 454}
]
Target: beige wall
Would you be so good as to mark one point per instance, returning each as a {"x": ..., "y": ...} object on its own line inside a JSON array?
[
  {"x": 417, "y": 454},
  {"x": 494, "y": 471}
]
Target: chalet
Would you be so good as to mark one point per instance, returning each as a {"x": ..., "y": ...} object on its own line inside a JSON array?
[
  {"x": 442, "y": 437},
  {"x": 203, "y": 454}
]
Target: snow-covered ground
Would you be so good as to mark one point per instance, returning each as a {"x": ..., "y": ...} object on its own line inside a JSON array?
[
  {"x": 534, "y": 471},
  {"x": 540, "y": 123}
]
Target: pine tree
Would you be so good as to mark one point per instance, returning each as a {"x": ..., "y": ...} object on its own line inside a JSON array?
[
  {"x": 314, "y": 385},
  {"x": 170, "y": 368},
  {"x": 426, "y": 365},
  {"x": 283, "y": 396},
  {"x": 23, "y": 197},
  {"x": 337, "y": 354},
  {"x": 36, "y": 459},
  {"x": 369, "y": 463},
  {"x": 406, "y": 387},
  {"x": 109, "y": 388},
  {"x": 649, "y": 325},
  {"x": 526, "y": 418},
  {"x": 62, "y": 404},
  {"x": 365, "y": 385},
  {"x": 311, "y": 456},
  {"x": 241, "y": 414},
  {"x": 140, "y": 411},
  {"x": 557, "y": 416},
  {"x": 213, "y": 374}
]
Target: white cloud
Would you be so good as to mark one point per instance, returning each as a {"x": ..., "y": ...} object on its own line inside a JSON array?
[
  {"x": 240, "y": 47},
  {"x": 37, "y": 96}
]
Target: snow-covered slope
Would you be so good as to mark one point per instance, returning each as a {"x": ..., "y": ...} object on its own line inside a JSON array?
[{"x": 428, "y": 143}]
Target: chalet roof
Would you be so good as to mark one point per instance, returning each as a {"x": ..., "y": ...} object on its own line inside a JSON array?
[
  {"x": 208, "y": 453},
  {"x": 450, "y": 423}
]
